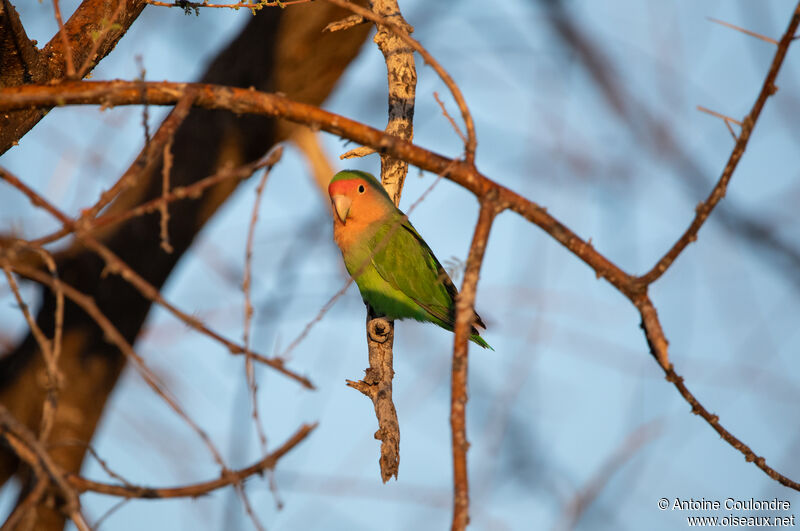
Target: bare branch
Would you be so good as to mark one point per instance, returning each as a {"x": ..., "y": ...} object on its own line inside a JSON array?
[
  {"x": 229, "y": 477},
  {"x": 216, "y": 97},
  {"x": 703, "y": 210},
  {"x": 188, "y": 6},
  {"x": 115, "y": 264},
  {"x": 465, "y": 314},
  {"x": 91, "y": 36},
  {"x": 401, "y": 31},
  {"x": 248, "y": 309},
  {"x": 25, "y": 445}
]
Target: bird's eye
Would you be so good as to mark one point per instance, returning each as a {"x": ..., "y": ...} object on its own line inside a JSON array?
[{"x": 361, "y": 188}]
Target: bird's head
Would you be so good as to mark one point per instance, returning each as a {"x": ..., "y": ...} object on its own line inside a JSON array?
[{"x": 358, "y": 196}]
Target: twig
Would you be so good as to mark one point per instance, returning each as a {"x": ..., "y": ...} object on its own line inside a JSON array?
[
  {"x": 627, "y": 450},
  {"x": 191, "y": 191},
  {"x": 145, "y": 105},
  {"x": 186, "y": 5},
  {"x": 401, "y": 32},
  {"x": 229, "y": 477},
  {"x": 377, "y": 386},
  {"x": 116, "y": 338},
  {"x": 746, "y": 32},
  {"x": 28, "y": 449},
  {"x": 164, "y": 221},
  {"x": 361, "y": 151},
  {"x": 24, "y": 511},
  {"x": 450, "y": 119},
  {"x": 704, "y": 209},
  {"x": 149, "y": 157},
  {"x": 727, "y": 119},
  {"x": 248, "y": 309},
  {"x": 117, "y": 265},
  {"x": 106, "y": 515},
  {"x": 64, "y": 41},
  {"x": 50, "y": 349},
  {"x": 401, "y": 75},
  {"x": 465, "y": 312},
  {"x": 286, "y": 354},
  {"x": 53, "y": 374},
  {"x": 713, "y": 420}
]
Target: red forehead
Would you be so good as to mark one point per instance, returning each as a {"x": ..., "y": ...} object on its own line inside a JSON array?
[{"x": 344, "y": 186}]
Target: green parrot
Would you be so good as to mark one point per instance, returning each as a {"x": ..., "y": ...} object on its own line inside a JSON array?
[{"x": 394, "y": 268}]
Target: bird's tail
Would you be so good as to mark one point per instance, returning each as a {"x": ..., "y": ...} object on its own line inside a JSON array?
[{"x": 475, "y": 338}]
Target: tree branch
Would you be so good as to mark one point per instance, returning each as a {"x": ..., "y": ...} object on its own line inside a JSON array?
[
  {"x": 400, "y": 30},
  {"x": 244, "y": 101},
  {"x": 465, "y": 313},
  {"x": 230, "y": 477},
  {"x": 703, "y": 210},
  {"x": 402, "y": 80},
  {"x": 89, "y": 35}
]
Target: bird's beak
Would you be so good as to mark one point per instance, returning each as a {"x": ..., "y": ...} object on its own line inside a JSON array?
[{"x": 341, "y": 204}]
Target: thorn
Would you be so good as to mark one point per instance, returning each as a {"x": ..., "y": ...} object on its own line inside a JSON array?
[
  {"x": 719, "y": 115},
  {"x": 357, "y": 152},
  {"x": 345, "y": 23},
  {"x": 746, "y": 32},
  {"x": 730, "y": 129}
]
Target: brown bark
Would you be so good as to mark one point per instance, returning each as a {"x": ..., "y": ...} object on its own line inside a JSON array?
[
  {"x": 279, "y": 50},
  {"x": 90, "y": 33}
]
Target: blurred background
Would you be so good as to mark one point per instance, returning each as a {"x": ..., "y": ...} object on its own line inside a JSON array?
[{"x": 587, "y": 108}]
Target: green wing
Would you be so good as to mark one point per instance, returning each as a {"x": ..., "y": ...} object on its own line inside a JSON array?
[{"x": 404, "y": 260}]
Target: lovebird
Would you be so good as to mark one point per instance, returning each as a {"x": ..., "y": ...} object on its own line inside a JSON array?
[{"x": 395, "y": 270}]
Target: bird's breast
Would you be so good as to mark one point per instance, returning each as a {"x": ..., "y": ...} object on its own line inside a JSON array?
[{"x": 353, "y": 235}]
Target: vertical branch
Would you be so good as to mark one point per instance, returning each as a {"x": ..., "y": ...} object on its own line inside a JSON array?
[
  {"x": 377, "y": 385},
  {"x": 377, "y": 382},
  {"x": 250, "y": 372},
  {"x": 465, "y": 315},
  {"x": 166, "y": 167},
  {"x": 402, "y": 77}
]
